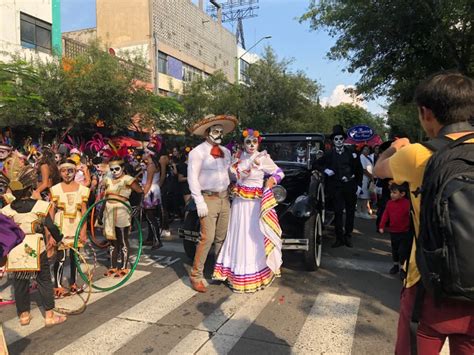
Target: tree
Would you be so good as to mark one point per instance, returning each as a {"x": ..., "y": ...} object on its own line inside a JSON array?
[
  {"x": 78, "y": 92},
  {"x": 349, "y": 115},
  {"x": 403, "y": 121},
  {"x": 396, "y": 43}
]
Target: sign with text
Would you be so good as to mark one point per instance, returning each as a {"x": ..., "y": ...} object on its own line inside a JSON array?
[{"x": 361, "y": 133}]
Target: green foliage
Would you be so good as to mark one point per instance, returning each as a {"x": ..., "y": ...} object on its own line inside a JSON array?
[
  {"x": 349, "y": 115},
  {"x": 76, "y": 93},
  {"x": 396, "y": 43},
  {"x": 403, "y": 121}
]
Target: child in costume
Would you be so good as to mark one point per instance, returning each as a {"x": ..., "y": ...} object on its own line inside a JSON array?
[
  {"x": 70, "y": 199},
  {"x": 117, "y": 217},
  {"x": 251, "y": 256},
  {"x": 28, "y": 260}
]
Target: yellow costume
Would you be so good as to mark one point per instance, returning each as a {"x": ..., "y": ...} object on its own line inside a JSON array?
[
  {"x": 25, "y": 257},
  {"x": 116, "y": 214},
  {"x": 69, "y": 213}
]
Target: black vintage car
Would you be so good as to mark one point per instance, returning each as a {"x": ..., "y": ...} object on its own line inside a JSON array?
[{"x": 301, "y": 208}]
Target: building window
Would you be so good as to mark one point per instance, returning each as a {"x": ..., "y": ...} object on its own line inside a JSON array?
[
  {"x": 162, "y": 63},
  {"x": 190, "y": 73},
  {"x": 244, "y": 67},
  {"x": 35, "y": 34}
]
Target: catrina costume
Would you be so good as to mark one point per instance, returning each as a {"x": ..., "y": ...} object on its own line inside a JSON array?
[
  {"x": 67, "y": 217},
  {"x": 251, "y": 257}
]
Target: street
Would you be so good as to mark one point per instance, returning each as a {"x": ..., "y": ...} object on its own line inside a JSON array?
[{"x": 348, "y": 306}]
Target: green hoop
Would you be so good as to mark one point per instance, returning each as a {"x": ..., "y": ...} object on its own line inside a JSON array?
[{"x": 76, "y": 244}]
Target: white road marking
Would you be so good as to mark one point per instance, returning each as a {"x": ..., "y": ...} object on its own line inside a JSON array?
[
  {"x": 230, "y": 333},
  {"x": 117, "y": 332},
  {"x": 330, "y": 326},
  {"x": 14, "y": 331},
  {"x": 194, "y": 340},
  {"x": 380, "y": 267}
]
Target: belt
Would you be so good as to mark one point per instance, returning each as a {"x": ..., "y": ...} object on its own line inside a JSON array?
[{"x": 222, "y": 194}]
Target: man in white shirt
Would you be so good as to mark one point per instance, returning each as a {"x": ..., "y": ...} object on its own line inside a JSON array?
[{"x": 208, "y": 179}]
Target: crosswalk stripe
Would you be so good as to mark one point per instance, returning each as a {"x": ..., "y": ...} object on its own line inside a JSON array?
[
  {"x": 115, "y": 333},
  {"x": 14, "y": 331},
  {"x": 330, "y": 326},
  {"x": 194, "y": 340},
  {"x": 230, "y": 333}
]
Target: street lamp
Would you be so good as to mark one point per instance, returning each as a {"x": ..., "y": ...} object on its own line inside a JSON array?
[
  {"x": 260, "y": 40},
  {"x": 237, "y": 64}
]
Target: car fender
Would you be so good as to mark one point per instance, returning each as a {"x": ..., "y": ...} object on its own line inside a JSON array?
[{"x": 303, "y": 207}]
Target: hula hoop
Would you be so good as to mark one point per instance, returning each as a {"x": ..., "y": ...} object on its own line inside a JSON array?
[
  {"x": 139, "y": 252},
  {"x": 89, "y": 290},
  {"x": 93, "y": 238}
]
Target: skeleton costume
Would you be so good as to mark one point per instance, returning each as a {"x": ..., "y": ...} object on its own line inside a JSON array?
[
  {"x": 5, "y": 151},
  {"x": 69, "y": 205},
  {"x": 343, "y": 172},
  {"x": 117, "y": 217},
  {"x": 208, "y": 179},
  {"x": 251, "y": 256}
]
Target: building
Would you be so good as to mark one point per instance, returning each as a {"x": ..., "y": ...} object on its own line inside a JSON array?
[
  {"x": 26, "y": 28},
  {"x": 244, "y": 60},
  {"x": 179, "y": 39}
]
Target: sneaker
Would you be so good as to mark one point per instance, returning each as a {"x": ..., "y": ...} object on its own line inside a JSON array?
[
  {"x": 394, "y": 270},
  {"x": 165, "y": 233},
  {"x": 365, "y": 216}
]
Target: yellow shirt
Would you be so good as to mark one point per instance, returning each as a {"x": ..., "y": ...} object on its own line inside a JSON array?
[{"x": 408, "y": 165}]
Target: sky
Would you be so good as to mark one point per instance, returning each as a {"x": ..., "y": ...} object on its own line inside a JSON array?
[{"x": 290, "y": 39}]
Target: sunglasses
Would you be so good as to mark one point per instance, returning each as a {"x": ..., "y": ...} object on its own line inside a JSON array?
[{"x": 115, "y": 169}]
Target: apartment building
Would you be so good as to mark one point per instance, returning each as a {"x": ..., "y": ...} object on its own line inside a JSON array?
[{"x": 25, "y": 28}]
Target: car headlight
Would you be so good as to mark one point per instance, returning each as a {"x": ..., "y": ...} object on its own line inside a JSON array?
[{"x": 279, "y": 192}]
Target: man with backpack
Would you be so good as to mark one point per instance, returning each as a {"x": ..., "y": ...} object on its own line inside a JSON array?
[{"x": 439, "y": 287}]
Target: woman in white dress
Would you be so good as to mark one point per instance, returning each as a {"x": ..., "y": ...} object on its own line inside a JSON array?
[
  {"x": 363, "y": 203},
  {"x": 250, "y": 257}
]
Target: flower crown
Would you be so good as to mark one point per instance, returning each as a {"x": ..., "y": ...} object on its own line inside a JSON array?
[{"x": 249, "y": 132}]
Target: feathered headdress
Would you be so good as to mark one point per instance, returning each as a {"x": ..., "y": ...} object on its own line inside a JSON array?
[
  {"x": 113, "y": 151},
  {"x": 75, "y": 143},
  {"x": 17, "y": 175},
  {"x": 97, "y": 143}
]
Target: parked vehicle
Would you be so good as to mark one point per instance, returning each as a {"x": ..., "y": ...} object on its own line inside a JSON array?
[{"x": 301, "y": 199}]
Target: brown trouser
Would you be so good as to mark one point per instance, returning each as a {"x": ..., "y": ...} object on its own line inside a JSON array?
[{"x": 213, "y": 229}]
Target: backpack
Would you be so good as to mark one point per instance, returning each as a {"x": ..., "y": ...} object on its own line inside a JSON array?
[{"x": 445, "y": 245}]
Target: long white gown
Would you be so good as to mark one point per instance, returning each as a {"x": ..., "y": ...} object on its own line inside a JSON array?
[{"x": 250, "y": 257}]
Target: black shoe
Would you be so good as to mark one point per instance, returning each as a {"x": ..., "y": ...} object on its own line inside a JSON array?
[
  {"x": 338, "y": 243},
  {"x": 348, "y": 242},
  {"x": 394, "y": 270},
  {"x": 157, "y": 246}
]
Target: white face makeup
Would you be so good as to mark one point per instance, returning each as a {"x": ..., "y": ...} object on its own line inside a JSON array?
[
  {"x": 116, "y": 170},
  {"x": 338, "y": 141},
  {"x": 4, "y": 153},
  {"x": 67, "y": 174},
  {"x": 216, "y": 133},
  {"x": 301, "y": 152},
  {"x": 251, "y": 144}
]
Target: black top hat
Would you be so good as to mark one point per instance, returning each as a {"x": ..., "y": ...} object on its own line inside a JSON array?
[{"x": 337, "y": 130}]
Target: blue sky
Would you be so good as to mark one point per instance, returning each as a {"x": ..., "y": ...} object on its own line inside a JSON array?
[{"x": 290, "y": 39}]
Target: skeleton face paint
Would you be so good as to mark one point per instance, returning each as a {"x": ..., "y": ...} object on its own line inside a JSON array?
[
  {"x": 216, "y": 133},
  {"x": 116, "y": 171},
  {"x": 338, "y": 141},
  {"x": 301, "y": 152},
  {"x": 58, "y": 157},
  {"x": 4, "y": 153},
  {"x": 67, "y": 174},
  {"x": 251, "y": 144}
]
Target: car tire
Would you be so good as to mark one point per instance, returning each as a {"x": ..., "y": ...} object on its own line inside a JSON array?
[
  {"x": 191, "y": 222},
  {"x": 189, "y": 248},
  {"x": 313, "y": 232}
]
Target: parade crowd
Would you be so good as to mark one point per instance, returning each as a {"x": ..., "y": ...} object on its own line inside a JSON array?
[{"x": 47, "y": 190}]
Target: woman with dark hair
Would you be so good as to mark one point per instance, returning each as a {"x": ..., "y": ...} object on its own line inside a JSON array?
[
  {"x": 49, "y": 175},
  {"x": 152, "y": 199},
  {"x": 28, "y": 260},
  {"x": 117, "y": 217}
]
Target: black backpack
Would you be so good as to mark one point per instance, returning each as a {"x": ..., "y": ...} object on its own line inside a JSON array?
[{"x": 445, "y": 246}]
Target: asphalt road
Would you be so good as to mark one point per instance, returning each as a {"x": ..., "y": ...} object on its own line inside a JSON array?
[{"x": 348, "y": 306}]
